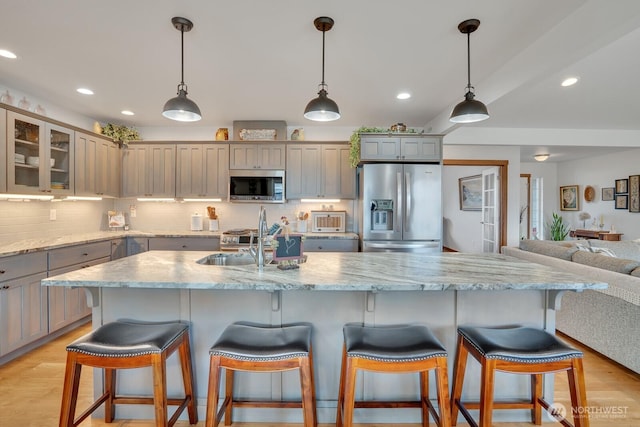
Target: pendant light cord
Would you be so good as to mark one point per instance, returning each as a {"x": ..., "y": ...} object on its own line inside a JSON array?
[
  {"x": 323, "y": 83},
  {"x": 182, "y": 57},
  {"x": 469, "y": 61}
]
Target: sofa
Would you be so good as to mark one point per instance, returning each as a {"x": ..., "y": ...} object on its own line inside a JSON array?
[{"x": 606, "y": 320}]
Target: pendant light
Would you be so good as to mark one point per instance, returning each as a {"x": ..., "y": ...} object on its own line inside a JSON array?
[
  {"x": 181, "y": 108},
  {"x": 469, "y": 110},
  {"x": 322, "y": 109}
]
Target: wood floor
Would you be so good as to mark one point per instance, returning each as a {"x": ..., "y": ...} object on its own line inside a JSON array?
[{"x": 30, "y": 389}]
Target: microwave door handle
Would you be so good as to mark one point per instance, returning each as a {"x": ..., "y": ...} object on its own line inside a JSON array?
[
  {"x": 399, "y": 201},
  {"x": 407, "y": 193}
]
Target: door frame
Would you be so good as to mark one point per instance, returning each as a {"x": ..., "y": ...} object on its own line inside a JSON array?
[{"x": 503, "y": 166}]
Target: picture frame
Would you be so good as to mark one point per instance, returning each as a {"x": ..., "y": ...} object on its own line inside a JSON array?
[
  {"x": 290, "y": 246},
  {"x": 569, "y": 198},
  {"x": 607, "y": 194},
  {"x": 634, "y": 193},
  {"x": 470, "y": 191},
  {"x": 622, "y": 186},
  {"x": 622, "y": 201}
]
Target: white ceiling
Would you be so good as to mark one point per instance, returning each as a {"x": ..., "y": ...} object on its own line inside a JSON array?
[{"x": 261, "y": 60}]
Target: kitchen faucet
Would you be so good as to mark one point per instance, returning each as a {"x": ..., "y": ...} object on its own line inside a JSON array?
[{"x": 258, "y": 253}]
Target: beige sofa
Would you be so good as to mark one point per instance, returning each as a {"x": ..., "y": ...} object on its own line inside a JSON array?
[{"x": 606, "y": 320}]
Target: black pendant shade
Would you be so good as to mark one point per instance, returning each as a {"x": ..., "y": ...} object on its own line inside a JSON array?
[
  {"x": 181, "y": 108},
  {"x": 322, "y": 108},
  {"x": 470, "y": 110}
]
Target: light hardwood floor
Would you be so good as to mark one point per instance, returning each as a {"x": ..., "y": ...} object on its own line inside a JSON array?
[{"x": 30, "y": 389}]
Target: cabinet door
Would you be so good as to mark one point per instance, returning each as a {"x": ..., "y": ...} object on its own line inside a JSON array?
[
  {"x": 420, "y": 148},
  {"x": 60, "y": 172},
  {"x": 216, "y": 170},
  {"x": 338, "y": 177},
  {"x": 23, "y": 312},
  {"x": 85, "y": 174},
  {"x": 136, "y": 245},
  {"x": 118, "y": 248},
  {"x": 331, "y": 245},
  {"x": 3, "y": 149},
  {"x": 184, "y": 244},
  {"x": 202, "y": 170},
  {"x": 379, "y": 148},
  {"x": 149, "y": 171},
  {"x": 107, "y": 168},
  {"x": 243, "y": 156},
  {"x": 303, "y": 173},
  {"x": 134, "y": 171},
  {"x": 25, "y": 139},
  {"x": 271, "y": 156}
]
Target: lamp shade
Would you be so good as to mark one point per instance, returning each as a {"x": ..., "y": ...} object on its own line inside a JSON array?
[
  {"x": 322, "y": 108},
  {"x": 469, "y": 111},
  {"x": 181, "y": 108}
]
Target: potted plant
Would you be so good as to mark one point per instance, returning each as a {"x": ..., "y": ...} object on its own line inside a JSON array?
[
  {"x": 120, "y": 133},
  {"x": 557, "y": 228}
]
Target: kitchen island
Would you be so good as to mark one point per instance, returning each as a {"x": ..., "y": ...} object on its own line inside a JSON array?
[{"x": 329, "y": 290}]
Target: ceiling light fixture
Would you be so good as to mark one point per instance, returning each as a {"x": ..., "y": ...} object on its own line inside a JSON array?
[
  {"x": 570, "y": 81},
  {"x": 541, "y": 157},
  {"x": 7, "y": 54},
  {"x": 469, "y": 110},
  {"x": 403, "y": 95},
  {"x": 127, "y": 113},
  {"x": 322, "y": 109},
  {"x": 84, "y": 91},
  {"x": 181, "y": 108}
]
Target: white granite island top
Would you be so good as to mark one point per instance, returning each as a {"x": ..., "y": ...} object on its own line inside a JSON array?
[{"x": 360, "y": 271}]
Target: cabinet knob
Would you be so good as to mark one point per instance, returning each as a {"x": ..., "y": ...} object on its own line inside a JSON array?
[
  {"x": 184, "y": 246},
  {"x": 85, "y": 254},
  {"x": 5, "y": 287},
  {"x": 2, "y": 271}
]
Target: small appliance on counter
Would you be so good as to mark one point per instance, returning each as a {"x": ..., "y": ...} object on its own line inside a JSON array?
[
  {"x": 196, "y": 222},
  {"x": 328, "y": 221}
]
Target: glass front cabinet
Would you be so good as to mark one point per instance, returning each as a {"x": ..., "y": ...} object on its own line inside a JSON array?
[{"x": 42, "y": 156}]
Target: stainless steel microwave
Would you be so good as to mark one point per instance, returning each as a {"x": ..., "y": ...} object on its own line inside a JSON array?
[{"x": 264, "y": 186}]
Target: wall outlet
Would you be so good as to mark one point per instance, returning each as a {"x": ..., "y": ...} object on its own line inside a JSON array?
[
  {"x": 52, "y": 214},
  {"x": 132, "y": 211}
]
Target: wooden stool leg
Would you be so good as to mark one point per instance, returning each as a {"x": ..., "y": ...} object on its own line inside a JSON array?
[
  {"x": 313, "y": 388},
  {"x": 158, "y": 364},
  {"x": 70, "y": 391},
  {"x": 340, "y": 408},
  {"x": 459, "y": 367},
  {"x": 212, "y": 392},
  {"x": 110, "y": 390},
  {"x": 349, "y": 392},
  {"x": 228, "y": 401},
  {"x": 424, "y": 397},
  {"x": 578, "y": 392},
  {"x": 187, "y": 378},
  {"x": 536, "y": 395},
  {"x": 486, "y": 391},
  {"x": 306, "y": 385},
  {"x": 442, "y": 385}
]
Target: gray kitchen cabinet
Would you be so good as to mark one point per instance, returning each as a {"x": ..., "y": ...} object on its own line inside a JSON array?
[
  {"x": 118, "y": 248},
  {"x": 23, "y": 302},
  {"x": 319, "y": 171},
  {"x": 202, "y": 170},
  {"x": 399, "y": 148},
  {"x": 136, "y": 245},
  {"x": 97, "y": 171},
  {"x": 40, "y": 156},
  {"x": 68, "y": 305},
  {"x": 149, "y": 170},
  {"x": 257, "y": 156},
  {"x": 330, "y": 245},
  {"x": 3, "y": 149},
  {"x": 108, "y": 168},
  {"x": 184, "y": 243}
]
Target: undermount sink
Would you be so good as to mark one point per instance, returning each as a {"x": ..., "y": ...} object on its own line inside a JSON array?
[{"x": 232, "y": 258}]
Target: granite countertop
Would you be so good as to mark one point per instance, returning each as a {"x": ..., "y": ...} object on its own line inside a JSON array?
[
  {"x": 356, "y": 271},
  {"x": 47, "y": 243}
]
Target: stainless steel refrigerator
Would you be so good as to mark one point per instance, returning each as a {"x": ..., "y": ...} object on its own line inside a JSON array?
[{"x": 400, "y": 207}]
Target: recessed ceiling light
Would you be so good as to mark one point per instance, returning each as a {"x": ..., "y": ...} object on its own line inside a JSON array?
[
  {"x": 403, "y": 95},
  {"x": 84, "y": 91},
  {"x": 569, "y": 81},
  {"x": 127, "y": 112},
  {"x": 7, "y": 54}
]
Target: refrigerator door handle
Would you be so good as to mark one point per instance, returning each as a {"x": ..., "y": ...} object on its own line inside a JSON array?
[
  {"x": 407, "y": 192},
  {"x": 398, "y": 207}
]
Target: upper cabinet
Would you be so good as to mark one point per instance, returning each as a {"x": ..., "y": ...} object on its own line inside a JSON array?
[
  {"x": 40, "y": 156},
  {"x": 149, "y": 170},
  {"x": 202, "y": 170},
  {"x": 3, "y": 149},
  {"x": 399, "y": 148},
  {"x": 257, "y": 156},
  {"x": 97, "y": 171},
  {"x": 319, "y": 171}
]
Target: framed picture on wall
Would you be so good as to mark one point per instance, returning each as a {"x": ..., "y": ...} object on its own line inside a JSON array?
[
  {"x": 622, "y": 201},
  {"x": 634, "y": 193},
  {"x": 569, "y": 200},
  {"x": 470, "y": 189},
  {"x": 607, "y": 194},
  {"x": 622, "y": 186}
]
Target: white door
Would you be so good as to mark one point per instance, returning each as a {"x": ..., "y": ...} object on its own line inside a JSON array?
[{"x": 491, "y": 210}]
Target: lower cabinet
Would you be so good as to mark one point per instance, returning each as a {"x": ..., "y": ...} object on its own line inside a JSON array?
[
  {"x": 136, "y": 245},
  {"x": 118, "y": 248},
  {"x": 331, "y": 245},
  {"x": 184, "y": 243}
]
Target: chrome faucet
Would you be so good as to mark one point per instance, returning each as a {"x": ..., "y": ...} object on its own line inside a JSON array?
[{"x": 258, "y": 252}]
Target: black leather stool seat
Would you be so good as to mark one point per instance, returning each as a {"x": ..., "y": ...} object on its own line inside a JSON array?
[
  {"x": 519, "y": 344},
  {"x": 246, "y": 341},
  {"x": 392, "y": 343},
  {"x": 125, "y": 338}
]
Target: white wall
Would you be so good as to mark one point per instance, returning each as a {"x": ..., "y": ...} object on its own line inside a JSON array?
[{"x": 462, "y": 230}]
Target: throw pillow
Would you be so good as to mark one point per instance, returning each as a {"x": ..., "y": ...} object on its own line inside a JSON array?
[{"x": 595, "y": 250}]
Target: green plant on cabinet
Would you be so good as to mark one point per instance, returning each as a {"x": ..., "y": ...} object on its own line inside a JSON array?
[{"x": 120, "y": 133}]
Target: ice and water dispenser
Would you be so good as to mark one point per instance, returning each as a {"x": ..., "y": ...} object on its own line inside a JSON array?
[{"x": 382, "y": 214}]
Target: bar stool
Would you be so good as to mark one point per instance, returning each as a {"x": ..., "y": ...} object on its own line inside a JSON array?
[
  {"x": 393, "y": 349},
  {"x": 126, "y": 344},
  {"x": 518, "y": 350},
  {"x": 247, "y": 346}
]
